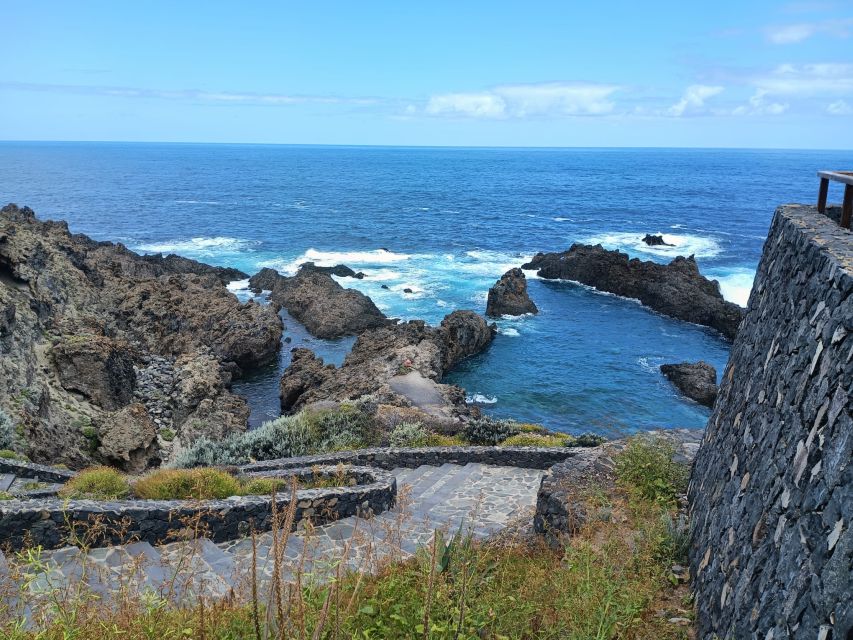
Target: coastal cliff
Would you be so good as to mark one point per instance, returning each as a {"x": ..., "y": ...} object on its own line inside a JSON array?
[{"x": 109, "y": 356}]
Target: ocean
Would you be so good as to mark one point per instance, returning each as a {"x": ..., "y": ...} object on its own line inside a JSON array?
[{"x": 445, "y": 223}]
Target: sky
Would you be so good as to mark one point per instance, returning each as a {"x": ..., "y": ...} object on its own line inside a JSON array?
[{"x": 753, "y": 73}]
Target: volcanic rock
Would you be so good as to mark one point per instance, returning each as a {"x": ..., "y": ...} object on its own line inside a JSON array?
[
  {"x": 327, "y": 309},
  {"x": 382, "y": 360},
  {"x": 656, "y": 241},
  {"x": 340, "y": 270},
  {"x": 696, "y": 380},
  {"x": 90, "y": 329},
  {"x": 676, "y": 289},
  {"x": 509, "y": 296}
]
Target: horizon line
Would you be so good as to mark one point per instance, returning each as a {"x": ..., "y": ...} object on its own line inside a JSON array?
[{"x": 419, "y": 146}]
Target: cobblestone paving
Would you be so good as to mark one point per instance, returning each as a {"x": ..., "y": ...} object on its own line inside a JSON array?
[{"x": 477, "y": 498}]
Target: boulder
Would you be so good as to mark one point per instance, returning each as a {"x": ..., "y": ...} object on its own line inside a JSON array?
[
  {"x": 509, "y": 296},
  {"x": 676, "y": 289},
  {"x": 656, "y": 241},
  {"x": 98, "y": 367},
  {"x": 696, "y": 380},
  {"x": 128, "y": 439},
  {"x": 327, "y": 309}
]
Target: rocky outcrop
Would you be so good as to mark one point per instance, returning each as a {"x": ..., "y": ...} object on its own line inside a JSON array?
[
  {"x": 90, "y": 329},
  {"x": 340, "y": 270},
  {"x": 382, "y": 362},
  {"x": 98, "y": 367},
  {"x": 656, "y": 241},
  {"x": 509, "y": 296},
  {"x": 327, "y": 309},
  {"x": 696, "y": 380},
  {"x": 128, "y": 439},
  {"x": 676, "y": 289}
]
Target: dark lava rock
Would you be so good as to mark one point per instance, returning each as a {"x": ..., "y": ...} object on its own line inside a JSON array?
[
  {"x": 676, "y": 289},
  {"x": 656, "y": 241},
  {"x": 696, "y": 380},
  {"x": 178, "y": 264},
  {"x": 387, "y": 352},
  {"x": 384, "y": 286},
  {"x": 327, "y": 309},
  {"x": 509, "y": 296},
  {"x": 97, "y": 367},
  {"x": 407, "y": 290},
  {"x": 340, "y": 270}
]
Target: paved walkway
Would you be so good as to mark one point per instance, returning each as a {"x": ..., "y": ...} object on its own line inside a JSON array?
[{"x": 479, "y": 498}]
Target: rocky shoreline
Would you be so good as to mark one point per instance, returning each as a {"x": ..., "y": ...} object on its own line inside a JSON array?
[{"x": 676, "y": 289}]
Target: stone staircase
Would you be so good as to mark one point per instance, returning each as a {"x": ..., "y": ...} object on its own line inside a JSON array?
[{"x": 475, "y": 498}]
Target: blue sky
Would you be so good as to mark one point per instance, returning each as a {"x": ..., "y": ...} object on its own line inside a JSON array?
[{"x": 730, "y": 74}]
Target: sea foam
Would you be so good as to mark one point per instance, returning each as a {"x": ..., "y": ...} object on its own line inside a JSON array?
[
  {"x": 682, "y": 244},
  {"x": 735, "y": 283},
  {"x": 201, "y": 246}
]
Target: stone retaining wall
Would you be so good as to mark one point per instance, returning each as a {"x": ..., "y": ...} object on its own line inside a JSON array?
[
  {"x": 772, "y": 488},
  {"x": 394, "y": 458},
  {"x": 34, "y": 471},
  {"x": 48, "y": 522}
]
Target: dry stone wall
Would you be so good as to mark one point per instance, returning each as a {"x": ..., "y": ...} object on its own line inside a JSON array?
[{"x": 772, "y": 487}]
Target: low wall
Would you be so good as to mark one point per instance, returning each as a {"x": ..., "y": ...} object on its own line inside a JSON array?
[
  {"x": 50, "y": 522},
  {"x": 771, "y": 492},
  {"x": 34, "y": 471},
  {"x": 392, "y": 458}
]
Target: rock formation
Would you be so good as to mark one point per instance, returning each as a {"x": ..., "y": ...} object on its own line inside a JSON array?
[
  {"x": 656, "y": 241},
  {"x": 401, "y": 364},
  {"x": 509, "y": 296},
  {"x": 340, "y": 270},
  {"x": 109, "y": 356},
  {"x": 327, "y": 309},
  {"x": 696, "y": 380},
  {"x": 676, "y": 289}
]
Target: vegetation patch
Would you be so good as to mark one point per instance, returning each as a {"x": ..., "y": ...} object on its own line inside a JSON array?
[
  {"x": 187, "y": 484},
  {"x": 538, "y": 440},
  {"x": 646, "y": 468},
  {"x": 97, "y": 483},
  {"x": 8, "y": 454}
]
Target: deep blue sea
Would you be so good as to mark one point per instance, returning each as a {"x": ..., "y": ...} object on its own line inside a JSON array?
[{"x": 446, "y": 223}]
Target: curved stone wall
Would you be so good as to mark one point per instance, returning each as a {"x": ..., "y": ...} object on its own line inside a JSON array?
[
  {"x": 394, "y": 458},
  {"x": 49, "y": 522},
  {"x": 772, "y": 487}
]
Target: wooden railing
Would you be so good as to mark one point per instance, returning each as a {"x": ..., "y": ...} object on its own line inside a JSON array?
[{"x": 845, "y": 178}]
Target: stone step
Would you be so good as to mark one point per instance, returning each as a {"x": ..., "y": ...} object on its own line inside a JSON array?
[
  {"x": 414, "y": 476},
  {"x": 6, "y": 481},
  {"x": 427, "y": 481}
]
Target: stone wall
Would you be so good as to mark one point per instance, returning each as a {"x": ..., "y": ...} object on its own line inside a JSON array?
[
  {"x": 54, "y": 523},
  {"x": 393, "y": 458},
  {"x": 34, "y": 471},
  {"x": 772, "y": 487}
]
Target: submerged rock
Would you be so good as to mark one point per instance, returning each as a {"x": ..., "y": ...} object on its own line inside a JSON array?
[
  {"x": 656, "y": 241},
  {"x": 696, "y": 380},
  {"x": 509, "y": 296},
  {"x": 676, "y": 289},
  {"x": 327, "y": 309},
  {"x": 383, "y": 361}
]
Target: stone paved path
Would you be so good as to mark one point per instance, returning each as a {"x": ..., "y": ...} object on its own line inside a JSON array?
[{"x": 478, "y": 498}]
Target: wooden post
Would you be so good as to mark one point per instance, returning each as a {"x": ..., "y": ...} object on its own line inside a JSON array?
[
  {"x": 821, "y": 196},
  {"x": 847, "y": 207}
]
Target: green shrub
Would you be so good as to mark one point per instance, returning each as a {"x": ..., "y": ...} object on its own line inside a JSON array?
[
  {"x": 187, "y": 484},
  {"x": 441, "y": 440},
  {"x": 167, "y": 434},
  {"x": 96, "y": 483},
  {"x": 5, "y": 495},
  {"x": 536, "y": 440},
  {"x": 645, "y": 468},
  {"x": 8, "y": 454},
  {"x": 529, "y": 427},
  {"x": 409, "y": 434},
  {"x": 264, "y": 486},
  {"x": 489, "y": 431},
  {"x": 348, "y": 427},
  {"x": 588, "y": 440}
]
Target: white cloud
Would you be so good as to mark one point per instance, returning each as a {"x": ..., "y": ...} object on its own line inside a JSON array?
[
  {"x": 839, "y": 108},
  {"x": 693, "y": 100},
  {"x": 808, "y": 80},
  {"x": 797, "y": 32},
  {"x": 474, "y": 105},
  {"x": 759, "y": 106},
  {"x": 526, "y": 100}
]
